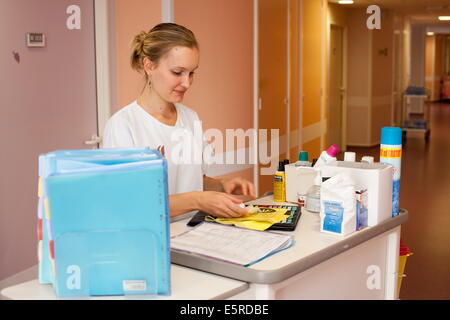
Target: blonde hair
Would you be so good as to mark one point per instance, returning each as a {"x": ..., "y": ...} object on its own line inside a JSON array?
[{"x": 158, "y": 41}]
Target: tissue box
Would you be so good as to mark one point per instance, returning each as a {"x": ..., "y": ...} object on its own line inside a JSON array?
[
  {"x": 376, "y": 178},
  {"x": 298, "y": 179}
]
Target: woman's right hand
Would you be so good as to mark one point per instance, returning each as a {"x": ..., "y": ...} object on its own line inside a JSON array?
[{"x": 220, "y": 204}]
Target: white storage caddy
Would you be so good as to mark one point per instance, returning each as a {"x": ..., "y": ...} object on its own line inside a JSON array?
[
  {"x": 376, "y": 177},
  {"x": 298, "y": 179}
]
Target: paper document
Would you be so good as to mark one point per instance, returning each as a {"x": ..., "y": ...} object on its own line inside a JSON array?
[{"x": 230, "y": 244}]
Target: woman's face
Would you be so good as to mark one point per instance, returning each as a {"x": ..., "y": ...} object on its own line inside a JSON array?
[{"x": 174, "y": 73}]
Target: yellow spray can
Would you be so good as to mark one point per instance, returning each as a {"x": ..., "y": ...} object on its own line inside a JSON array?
[{"x": 279, "y": 184}]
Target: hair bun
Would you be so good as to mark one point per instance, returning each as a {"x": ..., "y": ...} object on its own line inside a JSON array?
[
  {"x": 137, "y": 49},
  {"x": 140, "y": 39}
]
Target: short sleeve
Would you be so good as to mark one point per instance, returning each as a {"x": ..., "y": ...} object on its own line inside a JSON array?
[
  {"x": 207, "y": 151},
  {"x": 207, "y": 154},
  {"x": 117, "y": 134}
]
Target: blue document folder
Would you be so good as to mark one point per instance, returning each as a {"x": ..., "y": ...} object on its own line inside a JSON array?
[{"x": 107, "y": 222}]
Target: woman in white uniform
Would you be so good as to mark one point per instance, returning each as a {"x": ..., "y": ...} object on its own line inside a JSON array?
[{"x": 168, "y": 55}]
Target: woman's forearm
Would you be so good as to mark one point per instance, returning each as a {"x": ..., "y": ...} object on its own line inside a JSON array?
[{"x": 183, "y": 202}]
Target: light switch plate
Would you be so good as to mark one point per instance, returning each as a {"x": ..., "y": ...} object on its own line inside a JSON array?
[{"x": 35, "y": 39}]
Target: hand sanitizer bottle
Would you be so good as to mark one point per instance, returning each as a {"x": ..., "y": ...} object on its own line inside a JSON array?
[{"x": 327, "y": 156}]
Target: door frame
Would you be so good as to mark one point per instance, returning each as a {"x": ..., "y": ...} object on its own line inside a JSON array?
[
  {"x": 344, "y": 28},
  {"x": 104, "y": 57},
  {"x": 256, "y": 101}
]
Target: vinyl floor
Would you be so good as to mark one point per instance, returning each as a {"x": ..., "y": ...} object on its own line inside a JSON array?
[{"x": 425, "y": 193}]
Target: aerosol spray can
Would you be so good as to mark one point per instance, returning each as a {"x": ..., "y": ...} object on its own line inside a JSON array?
[{"x": 391, "y": 153}]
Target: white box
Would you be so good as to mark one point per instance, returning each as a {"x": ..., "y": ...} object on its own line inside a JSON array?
[
  {"x": 298, "y": 179},
  {"x": 376, "y": 177}
]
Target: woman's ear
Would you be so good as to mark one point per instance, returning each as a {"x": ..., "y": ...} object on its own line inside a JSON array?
[{"x": 148, "y": 65}]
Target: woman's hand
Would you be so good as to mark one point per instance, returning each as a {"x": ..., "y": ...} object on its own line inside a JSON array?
[
  {"x": 239, "y": 185},
  {"x": 220, "y": 204}
]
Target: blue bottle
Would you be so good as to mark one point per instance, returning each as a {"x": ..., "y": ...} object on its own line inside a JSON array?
[{"x": 391, "y": 153}]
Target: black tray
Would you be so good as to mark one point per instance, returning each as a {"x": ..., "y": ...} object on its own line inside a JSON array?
[{"x": 288, "y": 225}]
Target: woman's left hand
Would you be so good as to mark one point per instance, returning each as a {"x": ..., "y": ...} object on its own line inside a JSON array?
[{"x": 239, "y": 185}]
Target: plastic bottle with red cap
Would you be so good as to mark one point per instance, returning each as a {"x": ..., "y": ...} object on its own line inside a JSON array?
[{"x": 327, "y": 156}]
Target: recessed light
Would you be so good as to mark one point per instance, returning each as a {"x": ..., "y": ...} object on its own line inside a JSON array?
[
  {"x": 444, "y": 18},
  {"x": 345, "y": 1}
]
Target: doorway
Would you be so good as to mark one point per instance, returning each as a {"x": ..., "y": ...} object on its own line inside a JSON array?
[{"x": 336, "y": 123}]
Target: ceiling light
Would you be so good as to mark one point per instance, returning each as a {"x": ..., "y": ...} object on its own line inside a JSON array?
[
  {"x": 444, "y": 18},
  {"x": 430, "y": 33},
  {"x": 345, "y": 1}
]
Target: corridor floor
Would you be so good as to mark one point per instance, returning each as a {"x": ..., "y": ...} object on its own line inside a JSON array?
[{"x": 425, "y": 193}]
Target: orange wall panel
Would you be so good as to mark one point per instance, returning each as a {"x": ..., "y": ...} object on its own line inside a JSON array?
[
  {"x": 222, "y": 92},
  {"x": 312, "y": 27}
]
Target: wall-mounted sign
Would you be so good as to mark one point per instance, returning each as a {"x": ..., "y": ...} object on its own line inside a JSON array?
[{"x": 35, "y": 39}]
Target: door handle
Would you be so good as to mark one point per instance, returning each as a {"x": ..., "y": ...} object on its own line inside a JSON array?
[{"x": 94, "y": 140}]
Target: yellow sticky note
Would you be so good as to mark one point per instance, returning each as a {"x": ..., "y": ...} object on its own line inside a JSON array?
[
  {"x": 255, "y": 225},
  {"x": 257, "y": 221},
  {"x": 47, "y": 209}
]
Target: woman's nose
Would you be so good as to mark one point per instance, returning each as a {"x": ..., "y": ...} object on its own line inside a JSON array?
[{"x": 186, "y": 81}]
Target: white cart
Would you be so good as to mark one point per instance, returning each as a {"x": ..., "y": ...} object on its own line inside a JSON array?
[{"x": 414, "y": 104}]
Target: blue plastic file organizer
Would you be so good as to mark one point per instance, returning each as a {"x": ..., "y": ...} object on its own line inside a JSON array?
[{"x": 104, "y": 222}]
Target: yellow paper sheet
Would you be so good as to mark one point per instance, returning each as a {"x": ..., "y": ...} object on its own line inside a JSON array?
[{"x": 255, "y": 221}]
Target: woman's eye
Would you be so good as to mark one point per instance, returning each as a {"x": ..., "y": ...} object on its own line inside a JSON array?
[{"x": 177, "y": 73}]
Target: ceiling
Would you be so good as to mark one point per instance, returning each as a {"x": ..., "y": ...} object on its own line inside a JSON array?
[{"x": 421, "y": 11}]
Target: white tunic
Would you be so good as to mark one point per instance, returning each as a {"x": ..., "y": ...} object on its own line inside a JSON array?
[{"x": 133, "y": 127}]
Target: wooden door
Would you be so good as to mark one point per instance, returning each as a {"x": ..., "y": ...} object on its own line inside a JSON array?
[{"x": 273, "y": 64}]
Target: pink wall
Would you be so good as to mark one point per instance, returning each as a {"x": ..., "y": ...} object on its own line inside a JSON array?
[
  {"x": 132, "y": 17},
  {"x": 47, "y": 102},
  {"x": 222, "y": 92}
]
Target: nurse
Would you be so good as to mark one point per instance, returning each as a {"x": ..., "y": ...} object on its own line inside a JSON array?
[{"x": 168, "y": 56}]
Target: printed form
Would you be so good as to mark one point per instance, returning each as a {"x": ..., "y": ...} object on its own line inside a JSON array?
[{"x": 231, "y": 244}]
